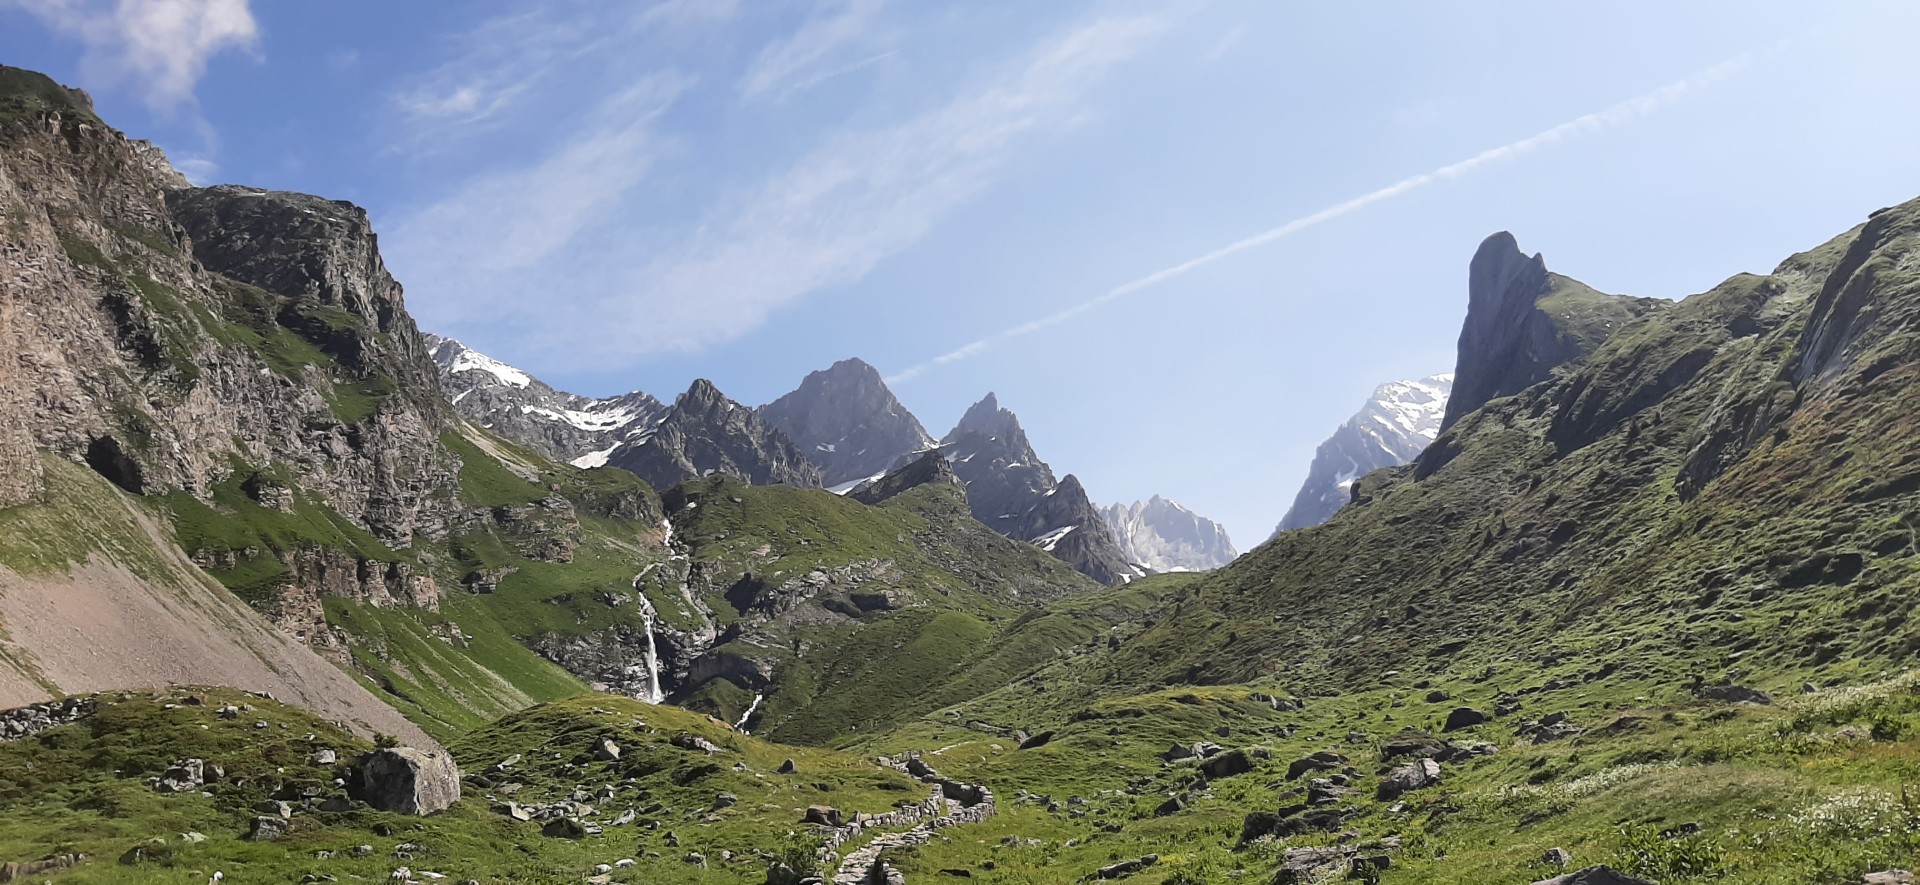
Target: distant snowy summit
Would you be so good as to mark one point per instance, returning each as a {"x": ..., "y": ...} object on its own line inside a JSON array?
[
  {"x": 564, "y": 426},
  {"x": 1166, "y": 537},
  {"x": 1393, "y": 428}
]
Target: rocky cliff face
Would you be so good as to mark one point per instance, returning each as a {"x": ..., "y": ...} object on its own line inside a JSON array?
[
  {"x": 1014, "y": 492},
  {"x": 704, "y": 433},
  {"x": 846, "y": 421},
  {"x": 1166, "y": 537},
  {"x": 1395, "y": 425},
  {"x": 1523, "y": 321},
  {"x": 563, "y": 426}
]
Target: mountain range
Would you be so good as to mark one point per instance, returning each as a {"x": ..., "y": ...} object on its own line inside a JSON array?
[{"x": 280, "y": 606}]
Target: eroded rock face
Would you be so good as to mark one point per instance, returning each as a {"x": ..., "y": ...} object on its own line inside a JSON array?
[
  {"x": 407, "y": 781},
  {"x": 929, "y": 469},
  {"x": 1514, "y": 335},
  {"x": 580, "y": 430},
  {"x": 845, "y": 420},
  {"x": 1396, "y": 424},
  {"x": 1163, "y": 536},
  {"x": 703, "y": 433}
]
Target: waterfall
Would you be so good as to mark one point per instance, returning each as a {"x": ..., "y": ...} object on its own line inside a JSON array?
[
  {"x": 741, "y": 726},
  {"x": 654, "y": 694}
]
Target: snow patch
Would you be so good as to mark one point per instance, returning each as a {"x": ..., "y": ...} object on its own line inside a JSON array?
[{"x": 475, "y": 361}]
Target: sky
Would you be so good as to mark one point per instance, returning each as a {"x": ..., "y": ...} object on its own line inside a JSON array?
[{"x": 1182, "y": 240}]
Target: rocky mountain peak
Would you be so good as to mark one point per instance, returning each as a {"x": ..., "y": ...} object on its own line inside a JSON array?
[
  {"x": 1163, "y": 536},
  {"x": 1394, "y": 426},
  {"x": 987, "y": 418},
  {"x": 580, "y": 430},
  {"x": 846, "y": 420},
  {"x": 704, "y": 433},
  {"x": 1523, "y": 321}
]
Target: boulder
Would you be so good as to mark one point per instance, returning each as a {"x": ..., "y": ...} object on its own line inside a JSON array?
[
  {"x": 1415, "y": 775},
  {"x": 1126, "y": 868},
  {"x": 1412, "y": 742},
  {"x": 1464, "y": 717},
  {"x": 1310, "y": 866},
  {"x": 407, "y": 781},
  {"x": 267, "y": 828},
  {"x": 184, "y": 776},
  {"x": 1227, "y": 764},
  {"x": 787, "y": 767},
  {"x": 1038, "y": 740},
  {"x": 1888, "y": 877},
  {"x": 822, "y": 815},
  {"x": 1600, "y": 875},
  {"x": 564, "y": 828},
  {"x": 1558, "y": 858},
  {"x": 689, "y": 741},
  {"x": 606, "y": 750},
  {"x": 1325, "y": 760}
]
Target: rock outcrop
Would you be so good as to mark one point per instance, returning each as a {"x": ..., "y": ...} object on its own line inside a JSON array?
[
  {"x": 705, "y": 432},
  {"x": 1396, "y": 424},
  {"x": 845, "y": 420},
  {"x": 929, "y": 469},
  {"x": 1163, "y": 536}
]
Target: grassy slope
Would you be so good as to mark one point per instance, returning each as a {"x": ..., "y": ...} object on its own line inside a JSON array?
[{"x": 82, "y": 788}]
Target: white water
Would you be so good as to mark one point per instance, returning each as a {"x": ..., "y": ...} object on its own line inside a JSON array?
[
  {"x": 741, "y": 726},
  {"x": 654, "y": 694}
]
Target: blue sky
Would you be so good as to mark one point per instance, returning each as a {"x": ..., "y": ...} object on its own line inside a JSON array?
[{"x": 1182, "y": 240}]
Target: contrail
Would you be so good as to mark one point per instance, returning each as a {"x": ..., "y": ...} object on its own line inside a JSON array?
[{"x": 1623, "y": 112}]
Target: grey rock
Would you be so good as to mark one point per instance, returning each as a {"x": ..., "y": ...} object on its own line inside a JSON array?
[
  {"x": 1126, "y": 868},
  {"x": 1599, "y": 875},
  {"x": 704, "y": 433},
  {"x": 407, "y": 781},
  {"x": 1464, "y": 717},
  {"x": 1416, "y": 775},
  {"x": 844, "y": 419},
  {"x": 267, "y": 829}
]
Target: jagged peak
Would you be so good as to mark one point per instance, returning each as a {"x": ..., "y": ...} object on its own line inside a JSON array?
[
  {"x": 702, "y": 395},
  {"x": 988, "y": 418}
]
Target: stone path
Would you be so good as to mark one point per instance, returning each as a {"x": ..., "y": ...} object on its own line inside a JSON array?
[{"x": 948, "y": 804}]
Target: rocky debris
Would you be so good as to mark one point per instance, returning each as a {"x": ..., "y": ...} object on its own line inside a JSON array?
[
  {"x": 690, "y": 741},
  {"x": 1599, "y": 875},
  {"x": 1734, "y": 694},
  {"x": 1395, "y": 425},
  {"x": 1014, "y": 492},
  {"x": 1173, "y": 805},
  {"x": 1126, "y": 868},
  {"x": 1557, "y": 857},
  {"x": 1324, "y": 760},
  {"x": 323, "y": 756},
  {"x": 844, "y": 419},
  {"x": 35, "y": 718},
  {"x": 1885, "y": 877},
  {"x": 407, "y": 781},
  {"x": 1416, "y": 775},
  {"x": 1280, "y": 704},
  {"x": 1464, "y": 717},
  {"x": 184, "y": 776},
  {"x": 1312, "y": 866},
  {"x": 1553, "y": 727},
  {"x": 1183, "y": 752},
  {"x": 567, "y": 828},
  {"x": 15, "y": 871},
  {"x": 1165, "y": 537},
  {"x": 704, "y": 433}
]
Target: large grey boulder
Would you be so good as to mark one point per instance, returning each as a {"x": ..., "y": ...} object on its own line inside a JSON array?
[
  {"x": 1415, "y": 775},
  {"x": 407, "y": 781}
]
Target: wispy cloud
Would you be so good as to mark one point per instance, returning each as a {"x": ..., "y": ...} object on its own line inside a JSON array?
[
  {"x": 807, "y": 57},
  {"x": 493, "y": 67},
  {"x": 1616, "y": 115},
  {"x": 501, "y": 249},
  {"x": 158, "y": 47}
]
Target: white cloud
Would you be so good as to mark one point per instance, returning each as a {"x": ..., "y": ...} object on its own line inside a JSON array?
[
  {"x": 805, "y": 58},
  {"x": 159, "y": 47},
  {"x": 1618, "y": 114}
]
